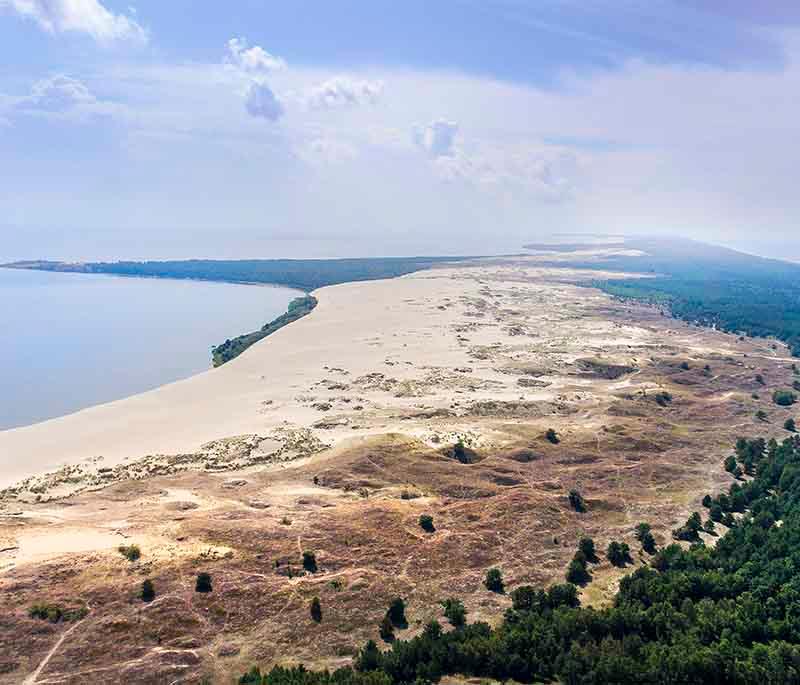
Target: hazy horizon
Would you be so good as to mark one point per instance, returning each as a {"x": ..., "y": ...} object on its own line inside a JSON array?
[{"x": 176, "y": 130}]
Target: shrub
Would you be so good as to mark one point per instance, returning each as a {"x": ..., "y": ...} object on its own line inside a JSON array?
[
  {"x": 203, "y": 583},
  {"x": 130, "y": 552},
  {"x": 460, "y": 452},
  {"x": 148, "y": 593},
  {"x": 577, "y": 573},
  {"x": 576, "y": 501},
  {"x": 649, "y": 543},
  {"x": 707, "y": 501},
  {"x": 426, "y": 523},
  {"x": 663, "y": 398},
  {"x": 552, "y": 436},
  {"x": 784, "y": 398},
  {"x": 455, "y": 612},
  {"x": 386, "y": 629},
  {"x": 494, "y": 580},
  {"x": 397, "y": 613},
  {"x": 761, "y": 415},
  {"x": 642, "y": 529},
  {"x": 55, "y": 613},
  {"x": 587, "y": 548},
  {"x": 790, "y": 425},
  {"x": 685, "y": 366},
  {"x": 310, "y": 561},
  {"x": 316, "y": 610},
  {"x": 618, "y": 553},
  {"x": 432, "y": 630}
]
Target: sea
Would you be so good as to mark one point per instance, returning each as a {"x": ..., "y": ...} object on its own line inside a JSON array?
[{"x": 70, "y": 341}]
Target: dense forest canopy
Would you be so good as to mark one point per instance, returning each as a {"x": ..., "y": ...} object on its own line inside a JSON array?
[
  {"x": 727, "y": 614},
  {"x": 710, "y": 285},
  {"x": 304, "y": 274}
]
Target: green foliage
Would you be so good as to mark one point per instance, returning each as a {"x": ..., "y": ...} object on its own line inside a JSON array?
[
  {"x": 203, "y": 583},
  {"x": 310, "y": 561},
  {"x": 649, "y": 543},
  {"x": 790, "y": 425},
  {"x": 494, "y": 580},
  {"x": 587, "y": 548},
  {"x": 663, "y": 398},
  {"x": 642, "y": 529},
  {"x": 315, "y": 609},
  {"x": 784, "y": 398},
  {"x": 232, "y": 348},
  {"x": 130, "y": 552},
  {"x": 426, "y": 523},
  {"x": 397, "y": 613},
  {"x": 56, "y": 613},
  {"x": 148, "y": 593},
  {"x": 618, "y": 553},
  {"x": 576, "y": 501},
  {"x": 552, "y": 436},
  {"x": 455, "y": 612},
  {"x": 386, "y": 629},
  {"x": 577, "y": 573}
]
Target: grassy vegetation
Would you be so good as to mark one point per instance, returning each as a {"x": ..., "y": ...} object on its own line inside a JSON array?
[
  {"x": 724, "y": 614},
  {"x": 232, "y": 348},
  {"x": 710, "y": 285}
]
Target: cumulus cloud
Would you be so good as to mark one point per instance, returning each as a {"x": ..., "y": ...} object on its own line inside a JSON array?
[
  {"x": 253, "y": 60},
  {"x": 58, "y": 93},
  {"x": 80, "y": 16},
  {"x": 343, "y": 90},
  {"x": 261, "y": 102},
  {"x": 437, "y": 138}
]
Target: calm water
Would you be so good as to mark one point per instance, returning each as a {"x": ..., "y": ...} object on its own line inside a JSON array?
[{"x": 69, "y": 341}]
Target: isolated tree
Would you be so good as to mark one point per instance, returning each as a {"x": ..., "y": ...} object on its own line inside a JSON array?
[
  {"x": 460, "y": 452},
  {"x": 790, "y": 425},
  {"x": 494, "y": 581},
  {"x": 641, "y": 530},
  {"x": 552, "y": 436},
  {"x": 397, "y": 613},
  {"x": 618, "y": 553},
  {"x": 577, "y": 573},
  {"x": 316, "y": 609},
  {"x": 148, "y": 593},
  {"x": 455, "y": 612},
  {"x": 426, "y": 523},
  {"x": 310, "y": 561},
  {"x": 586, "y": 547},
  {"x": 784, "y": 398},
  {"x": 576, "y": 501},
  {"x": 203, "y": 582}
]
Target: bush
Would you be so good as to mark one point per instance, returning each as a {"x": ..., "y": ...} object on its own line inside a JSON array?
[
  {"x": 586, "y": 547},
  {"x": 426, "y": 523},
  {"x": 386, "y": 629},
  {"x": 552, "y": 436},
  {"x": 316, "y": 610},
  {"x": 148, "y": 593},
  {"x": 455, "y": 612},
  {"x": 784, "y": 398},
  {"x": 494, "y": 581},
  {"x": 618, "y": 553},
  {"x": 761, "y": 415},
  {"x": 576, "y": 501},
  {"x": 55, "y": 613},
  {"x": 577, "y": 573},
  {"x": 649, "y": 543},
  {"x": 685, "y": 366},
  {"x": 663, "y": 398},
  {"x": 790, "y": 425},
  {"x": 203, "y": 583},
  {"x": 397, "y": 613},
  {"x": 641, "y": 530},
  {"x": 310, "y": 561},
  {"x": 460, "y": 452},
  {"x": 130, "y": 552}
]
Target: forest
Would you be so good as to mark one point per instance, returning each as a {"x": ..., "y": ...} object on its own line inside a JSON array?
[
  {"x": 710, "y": 285},
  {"x": 303, "y": 274},
  {"x": 726, "y": 614}
]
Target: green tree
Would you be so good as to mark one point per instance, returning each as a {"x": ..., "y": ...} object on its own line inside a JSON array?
[
  {"x": 577, "y": 573},
  {"x": 618, "y": 553},
  {"x": 649, "y": 543},
  {"x": 586, "y": 546},
  {"x": 148, "y": 593},
  {"x": 203, "y": 582},
  {"x": 397, "y": 613},
  {"x": 455, "y": 612},
  {"x": 426, "y": 523},
  {"x": 386, "y": 629},
  {"x": 641, "y": 530},
  {"x": 552, "y": 436},
  {"x": 310, "y": 561},
  {"x": 316, "y": 609},
  {"x": 576, "y": 501},
  {"x": 784, "y": 398},
  {"x": 790, "y": 425},
  {"x": 494, "y": 580}
]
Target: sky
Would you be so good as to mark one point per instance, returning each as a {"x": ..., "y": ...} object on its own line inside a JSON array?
[{"x": 323, "y": 128}]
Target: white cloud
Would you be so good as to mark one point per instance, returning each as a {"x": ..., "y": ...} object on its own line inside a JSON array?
[
  {"x": 261, "y": 102},
  {"x": 81, "y": 16},
  {"x": 253, "y": 60},
  {"x": 437, "y": 138},
  {"x": 57, "y": 93},
  {"x": 343, "y": 90}
]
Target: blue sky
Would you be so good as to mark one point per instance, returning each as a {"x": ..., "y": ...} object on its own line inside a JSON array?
[{"x": 178, "y": 129}]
